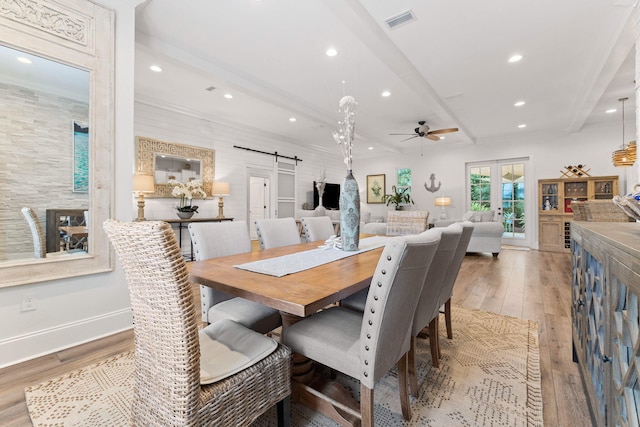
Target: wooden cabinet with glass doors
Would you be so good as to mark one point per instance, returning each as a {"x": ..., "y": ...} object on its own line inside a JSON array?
[{"x": 554, "y": 206}]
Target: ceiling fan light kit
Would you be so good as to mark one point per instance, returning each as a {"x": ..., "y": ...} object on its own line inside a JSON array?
[{"x": 423, "y": 131}]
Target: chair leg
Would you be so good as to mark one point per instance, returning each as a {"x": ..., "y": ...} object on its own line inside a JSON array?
[
  {"x": 412, "y": 369},
  {"x": 447, "y": 318},
  {"x": 284, "y": 412},
  {"x": 366, "y": 406},
  {"x": 433, "y": 342},
  {"x": 403, "y": 387}
]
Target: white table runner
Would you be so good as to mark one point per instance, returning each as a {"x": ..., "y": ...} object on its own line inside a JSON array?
[{"x": 300, "y": 261}]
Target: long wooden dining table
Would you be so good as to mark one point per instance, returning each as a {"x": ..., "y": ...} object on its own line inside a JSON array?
[{"x": 296, "y": 296}]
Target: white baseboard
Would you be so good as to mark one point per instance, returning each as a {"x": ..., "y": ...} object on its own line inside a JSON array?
[{"x": 46, "y": 341}]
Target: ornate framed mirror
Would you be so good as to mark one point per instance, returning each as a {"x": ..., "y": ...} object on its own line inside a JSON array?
[
  {"x": 62, "y": 101},
  {"x": 167, "y": 160}
]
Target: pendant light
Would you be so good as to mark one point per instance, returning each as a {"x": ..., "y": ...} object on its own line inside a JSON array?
[{"x": 625, "y": 156}]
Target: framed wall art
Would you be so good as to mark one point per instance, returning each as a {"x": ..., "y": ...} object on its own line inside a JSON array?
[
  {"x": 80, "y": 157},
  {"x": 375, "y": 188}
]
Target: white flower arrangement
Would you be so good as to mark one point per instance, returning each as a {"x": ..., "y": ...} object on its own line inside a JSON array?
[
  {"x": 186, "y": 192},
  {"x": 345, "y": 135}
]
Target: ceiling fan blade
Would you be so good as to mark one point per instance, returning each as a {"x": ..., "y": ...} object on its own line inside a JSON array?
[
  {"x": 432, "y": 137},
  {"x": 448, "y": 130},
  {"x": 411, "y": 137},
  {"x": 402, "y": 134}
]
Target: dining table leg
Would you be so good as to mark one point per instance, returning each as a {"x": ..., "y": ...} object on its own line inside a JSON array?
[{"x": 314, "y": 390}]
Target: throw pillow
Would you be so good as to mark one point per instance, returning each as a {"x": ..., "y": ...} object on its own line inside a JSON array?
[
  {"x": 487, "y": 216},
  {"x": 467, "y": 216}
]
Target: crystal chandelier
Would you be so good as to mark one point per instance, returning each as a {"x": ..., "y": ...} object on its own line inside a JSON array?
[{"x": 624, "y": 156}]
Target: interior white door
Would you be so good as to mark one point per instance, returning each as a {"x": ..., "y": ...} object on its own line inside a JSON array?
[
  {"x": 259, "y": 201},
  {"x": 503, "y": 186}
]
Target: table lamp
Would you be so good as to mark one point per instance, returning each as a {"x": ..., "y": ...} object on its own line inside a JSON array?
[
  {"x": 142, "y": 184},
  {"x": 220, "y": 189},
  {"x": 444, "y": 202}
]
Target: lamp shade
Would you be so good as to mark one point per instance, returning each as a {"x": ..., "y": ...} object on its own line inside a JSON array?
[
  {"x": 220, "y": 188},
  {"x": 143, "y": 184},
  {"x": 443, "y": 201}
]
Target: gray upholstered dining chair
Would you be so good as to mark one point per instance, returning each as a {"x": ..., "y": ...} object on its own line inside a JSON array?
[
  {"x": 367, "y": 345},
  {"x": 216, "y": 239},
  {"x": 452, "y": 274},
  {"x": 428, "y": 309},
  {"x": 317, "y": 227},
  {"x": 222, "y": 375},
  {"x": 276, "y": 232}
]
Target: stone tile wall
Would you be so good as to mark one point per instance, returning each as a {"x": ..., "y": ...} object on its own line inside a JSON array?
[{"x": 36, "y": 151}]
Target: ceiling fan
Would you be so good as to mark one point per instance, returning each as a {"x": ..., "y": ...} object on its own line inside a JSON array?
[{"x": 423, "y": 131}]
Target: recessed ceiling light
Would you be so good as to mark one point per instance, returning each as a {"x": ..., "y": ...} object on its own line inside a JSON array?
[
  {"x": 515, "y": 58},
  {"x": 24, "y": 60},
  {"x": 611, "y": 110},
  {"x": 292, "y": 119},
  {"x": 386, "y": 93},
  {"x": 228, "y": 95},
  {"x": 155, "y": 68},
  {"x": 370, "y": 148},
  {"x": 522, "y": 126},
  {"x": 332, "y": 52},
  {"x": 442, "y": 137},
  {"x": 519, "y": 104}
]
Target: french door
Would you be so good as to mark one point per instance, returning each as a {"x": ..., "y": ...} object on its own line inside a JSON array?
[{"x": 502, "y": 186}]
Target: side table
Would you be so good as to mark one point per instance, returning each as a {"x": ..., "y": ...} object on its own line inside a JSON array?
[{"x": 184, "y": 223}]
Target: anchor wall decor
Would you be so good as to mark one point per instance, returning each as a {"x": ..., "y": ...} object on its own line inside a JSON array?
[{"x": 432, "y": 188}]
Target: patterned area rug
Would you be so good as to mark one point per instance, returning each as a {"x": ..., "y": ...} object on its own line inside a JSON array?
[{"x": 489, "y": 375}]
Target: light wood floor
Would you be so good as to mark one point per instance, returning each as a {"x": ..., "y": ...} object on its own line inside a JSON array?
[{"x": 529, "y": 284}]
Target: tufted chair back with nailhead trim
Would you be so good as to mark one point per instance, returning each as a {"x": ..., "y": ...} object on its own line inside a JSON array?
[
  {"x": 276, "y": 232},
  {"x": 393, "y": 296}
]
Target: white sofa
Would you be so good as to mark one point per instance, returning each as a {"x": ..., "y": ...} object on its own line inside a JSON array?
[
  {"x": 334, "y": 214},
  {"x": 487, "y": 231}
]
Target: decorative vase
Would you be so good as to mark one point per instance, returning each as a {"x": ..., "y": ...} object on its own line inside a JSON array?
[
  {"x": 350, "y": 213},
  {"x": 185, "y": 215}
]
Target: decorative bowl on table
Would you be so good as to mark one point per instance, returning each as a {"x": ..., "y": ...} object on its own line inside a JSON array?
[{"x": 630, "y": 204}]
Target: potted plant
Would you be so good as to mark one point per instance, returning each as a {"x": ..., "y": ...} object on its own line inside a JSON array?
[
  {"x": 186, "y": 192},
  {"x": 399, "y": 197}
]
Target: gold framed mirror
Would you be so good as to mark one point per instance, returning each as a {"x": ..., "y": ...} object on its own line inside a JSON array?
[
  {"x": 167, "y": 160},
  {"x": 76, "y": 36}
]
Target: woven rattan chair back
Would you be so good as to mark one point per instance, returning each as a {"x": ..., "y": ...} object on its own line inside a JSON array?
[
  {"x": 167, "y": 390},
  {"x": 401, "y": 223},
  {"x": 37, "y": 233}
]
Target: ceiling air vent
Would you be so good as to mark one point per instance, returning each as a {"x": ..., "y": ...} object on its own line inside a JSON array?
[{"x": 401, "y": 19}]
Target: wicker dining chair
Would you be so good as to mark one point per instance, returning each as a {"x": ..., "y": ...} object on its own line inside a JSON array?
[
  {"x": 401, "y": 223},
  {"x": 182, "y": 376},
  {"x": 217, "y": 239},
  {"x": 367, "y": 345},
  {"x": 37, "y": 233}
]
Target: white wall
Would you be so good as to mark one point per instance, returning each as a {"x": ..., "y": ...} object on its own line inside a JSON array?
[
  {"x": 548, "y": 155},
  {"x": 191, "y": 128}
]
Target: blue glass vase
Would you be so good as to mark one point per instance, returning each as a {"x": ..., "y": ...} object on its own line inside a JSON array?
[{"x": 350, "y": 213}]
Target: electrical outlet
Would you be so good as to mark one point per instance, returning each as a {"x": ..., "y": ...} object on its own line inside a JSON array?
[{"x": 29, "y": 303}]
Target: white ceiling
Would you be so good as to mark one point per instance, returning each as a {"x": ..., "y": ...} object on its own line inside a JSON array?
[{"x": 448, "y": 67}]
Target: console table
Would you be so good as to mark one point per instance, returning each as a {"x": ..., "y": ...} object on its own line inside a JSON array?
[
  {"x": 605, "y": 309},
  {"x": 184, "y": 223}
]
